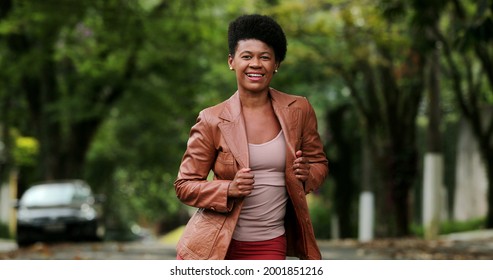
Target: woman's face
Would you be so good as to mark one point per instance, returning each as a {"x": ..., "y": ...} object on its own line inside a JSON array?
[{"x": 254, "y": 63}]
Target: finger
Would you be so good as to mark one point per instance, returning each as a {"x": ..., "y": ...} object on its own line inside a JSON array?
[
  {"x": 300, "y": 171},
  {"x": 246, "y": 176},
  {"x": 246, "y": 189},
  {"x": 299, "y": 153},
  {"x": 245, "y": 182},
  {"x": 299, "y": 166}
]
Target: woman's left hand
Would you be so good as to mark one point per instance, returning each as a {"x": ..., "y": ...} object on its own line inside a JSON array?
[{"x": 301, "y": 167}]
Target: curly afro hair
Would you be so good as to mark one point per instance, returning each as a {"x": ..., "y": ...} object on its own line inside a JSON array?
[{"x": 261, "y": 28}]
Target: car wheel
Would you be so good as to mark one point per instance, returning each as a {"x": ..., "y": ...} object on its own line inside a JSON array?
[
  {"x": 22, "y": 238},
  {"x": 24, "y": 242}
]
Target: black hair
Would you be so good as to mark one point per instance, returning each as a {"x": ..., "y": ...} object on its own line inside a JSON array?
[{"x": 261, "y": 28}]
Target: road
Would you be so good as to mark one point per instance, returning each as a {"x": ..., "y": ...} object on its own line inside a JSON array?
[
  {"x": 470, "y": 246},
  {"x": 137, "y": 250}
]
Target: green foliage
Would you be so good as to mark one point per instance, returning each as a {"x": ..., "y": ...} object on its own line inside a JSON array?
[
  {"x": 4, "y": 231},
  {"x": 320, "y": 214},
  {"x": 25, "y": 151},
  {"x": 112, "y": 88},
  {"x": 140, "y": 144},
  {"x": 449, "y": 227}
]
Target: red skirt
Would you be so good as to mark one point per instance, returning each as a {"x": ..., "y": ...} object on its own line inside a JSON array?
[{"x": 273, "y": 249}]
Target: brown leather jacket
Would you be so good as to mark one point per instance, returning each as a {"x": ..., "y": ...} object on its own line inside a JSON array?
[{"x": 218, "y": 142}]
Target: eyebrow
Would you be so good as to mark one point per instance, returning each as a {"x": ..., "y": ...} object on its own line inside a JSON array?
[{"x": 250, "y": 52}]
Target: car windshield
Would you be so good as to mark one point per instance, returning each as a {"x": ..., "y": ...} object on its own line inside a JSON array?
[{"x": 46, "y": 195}]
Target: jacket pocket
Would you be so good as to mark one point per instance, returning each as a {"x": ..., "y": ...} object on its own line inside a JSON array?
[
  {"x": 201, "y": 233},
  {"x": 224, "y": 167}
]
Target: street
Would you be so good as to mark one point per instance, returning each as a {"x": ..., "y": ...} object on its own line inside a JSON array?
[
  {"x": 139, "y": 250},
  {"x": 466, "y": 246}
]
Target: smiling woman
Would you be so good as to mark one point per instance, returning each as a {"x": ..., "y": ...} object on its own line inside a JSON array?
[
  {"x": 254, "y": 64},
  {"x": 266, "y": 155}
]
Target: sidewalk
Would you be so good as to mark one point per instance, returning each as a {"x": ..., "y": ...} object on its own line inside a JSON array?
[
  {"x": 7, "y": 245},
  {"x": 474, "y": 245},
  {"x": 470, "y": 235}
]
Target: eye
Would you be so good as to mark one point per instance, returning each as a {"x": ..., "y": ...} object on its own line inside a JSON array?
[
  {"x": 265, "y": 57},
  {"x": 246, "y": 57}
]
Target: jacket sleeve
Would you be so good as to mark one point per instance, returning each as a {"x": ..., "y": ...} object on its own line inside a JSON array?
[
  {"x": 312, "y": 148},
  {"x": 191, "y": 185}
]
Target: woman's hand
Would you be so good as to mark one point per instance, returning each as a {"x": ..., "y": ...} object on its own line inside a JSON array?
[
  {"x": 242, "y": 184},
  {"x": 301, "y": 167}
]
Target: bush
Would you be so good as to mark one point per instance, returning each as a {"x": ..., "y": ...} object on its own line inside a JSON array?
[
  {"x": 320, "y": 214},
  {"x": 4, "y": 231},
  {"x": 455, "y": 226},
  {"x": 448, "y": 227}
]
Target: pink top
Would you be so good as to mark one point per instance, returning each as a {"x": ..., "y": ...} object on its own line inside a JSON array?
[{"x": 262, "y": 215}]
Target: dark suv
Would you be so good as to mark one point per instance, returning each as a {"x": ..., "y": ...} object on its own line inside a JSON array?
[{"x": 61, "y": 210}]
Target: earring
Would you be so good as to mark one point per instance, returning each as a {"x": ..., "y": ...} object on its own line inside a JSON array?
[
  {"x": 231, "y": 68},
  {"x": 275, "y": 71}
]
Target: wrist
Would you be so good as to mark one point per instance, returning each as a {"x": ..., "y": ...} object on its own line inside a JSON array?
[{"x": 229, "y": 186}]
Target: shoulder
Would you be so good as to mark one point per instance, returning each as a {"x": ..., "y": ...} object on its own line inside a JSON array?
[
  {"x": 221, "y": 111},
  {"x": 216, "y": 108},
  {"x": 227, "y": 110},
  {"x": 289, "y": 100}
]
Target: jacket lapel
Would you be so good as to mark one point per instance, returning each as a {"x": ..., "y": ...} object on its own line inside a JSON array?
[
  {"x": 289, "y": 118},
  {"x": 234, "y": 131}
]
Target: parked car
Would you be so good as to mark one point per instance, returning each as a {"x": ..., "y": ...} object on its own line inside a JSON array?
[{"x": 61, "y": 210}]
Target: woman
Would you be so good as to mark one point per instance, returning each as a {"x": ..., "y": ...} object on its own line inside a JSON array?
[{"x": 266, "y": 155}]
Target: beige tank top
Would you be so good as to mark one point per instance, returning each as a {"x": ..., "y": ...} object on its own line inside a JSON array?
[{"x": 262, "y": 214}]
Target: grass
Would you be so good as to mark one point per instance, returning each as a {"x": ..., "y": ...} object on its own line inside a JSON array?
[
  {"x": 4, "y": 231},
  {"x": 172, "y": 237},
  {"x": 448, "y": 227}
]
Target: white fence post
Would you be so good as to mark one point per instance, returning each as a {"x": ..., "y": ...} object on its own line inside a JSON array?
[{"x": 366, "y": 216}]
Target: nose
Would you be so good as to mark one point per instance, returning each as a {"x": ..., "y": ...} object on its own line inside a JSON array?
[{"x": 255, "y": 62}]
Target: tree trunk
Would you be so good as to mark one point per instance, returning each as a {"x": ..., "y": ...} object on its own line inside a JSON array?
[
  {"x": 489, "y": 171},
  {"x": 399, "y": 169},
  {"x": 342, "y": 168},
  {"x": 433, "y": 161}
]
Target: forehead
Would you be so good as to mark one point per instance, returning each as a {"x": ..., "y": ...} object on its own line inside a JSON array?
[{"x": 253, "y": 45}]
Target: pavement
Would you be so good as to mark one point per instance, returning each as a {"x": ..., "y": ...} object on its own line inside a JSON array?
[
  {"x": 474, "y": 245},
  {"x": 470, "y": 235},
  {"x": 7, "y": 245}
]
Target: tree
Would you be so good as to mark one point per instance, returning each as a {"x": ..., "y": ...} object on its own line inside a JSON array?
[
  {"x": 467, "y": 50},
  {"x": 71, "y": 67},
  {"x": 384, "y": 74},
  {"x": 108, "y": 89}
]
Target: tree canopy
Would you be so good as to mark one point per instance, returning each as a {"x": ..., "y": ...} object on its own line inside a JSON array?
[{"x": 108, "y": 90}]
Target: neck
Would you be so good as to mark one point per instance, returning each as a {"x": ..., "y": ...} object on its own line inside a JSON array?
[{"x": 255, "y": 99}]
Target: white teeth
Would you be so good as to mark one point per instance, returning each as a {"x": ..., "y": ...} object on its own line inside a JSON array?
[{"x": 255, "y": 75}]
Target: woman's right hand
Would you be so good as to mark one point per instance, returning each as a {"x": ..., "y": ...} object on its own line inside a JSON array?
[{"x": 242, "y": 184}]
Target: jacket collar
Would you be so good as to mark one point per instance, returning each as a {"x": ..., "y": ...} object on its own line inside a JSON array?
[
  {"x": 232, "y": 110},
  {"x": 234, "y": 130}
]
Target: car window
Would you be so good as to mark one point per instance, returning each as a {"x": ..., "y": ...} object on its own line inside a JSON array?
[
  {"x": 46, "y": 195},
  {"x": 81, "y": 195}
]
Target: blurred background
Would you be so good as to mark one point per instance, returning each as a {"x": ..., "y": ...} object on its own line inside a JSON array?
[{"x": 106, "y": 92}]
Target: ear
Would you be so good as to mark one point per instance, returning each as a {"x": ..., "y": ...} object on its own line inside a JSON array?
[
  {"x": 278, "y": 65},
  {"x": 230, "y": 61}
]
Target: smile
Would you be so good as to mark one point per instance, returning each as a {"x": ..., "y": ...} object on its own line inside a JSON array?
[{"x": 255, "y": 75}]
